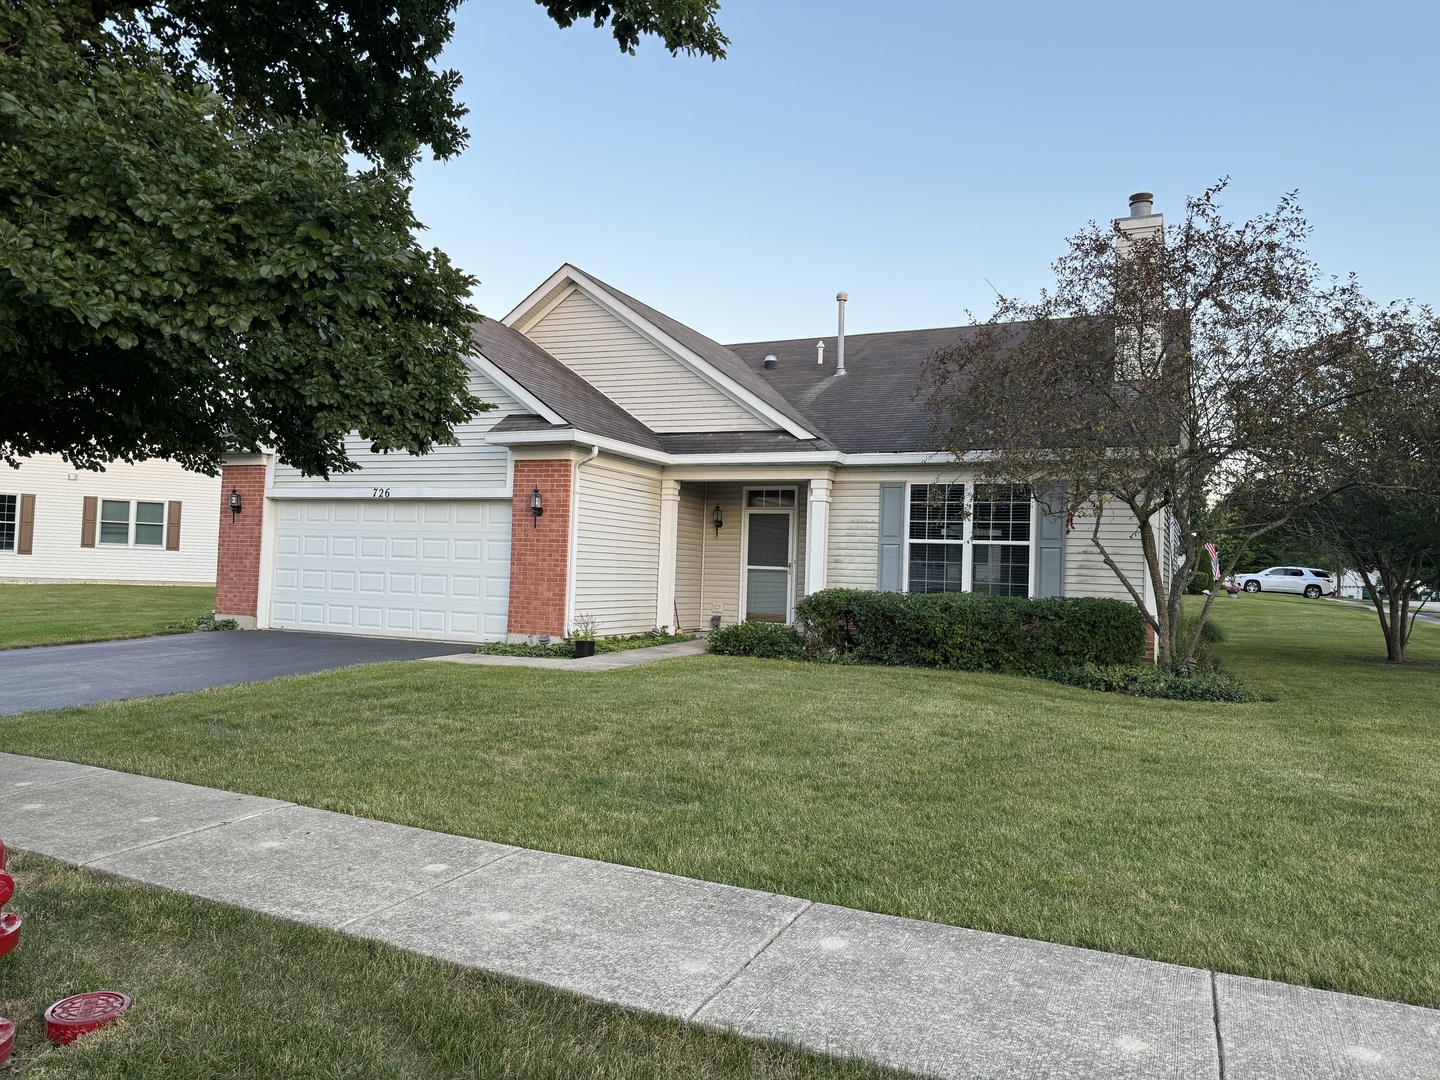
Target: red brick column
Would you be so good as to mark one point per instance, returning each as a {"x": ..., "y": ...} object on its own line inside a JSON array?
[
  {"x": 237, "y": 567},
  {"x": 1152, "y": 645},
  {"x": 540, "y": 548}
]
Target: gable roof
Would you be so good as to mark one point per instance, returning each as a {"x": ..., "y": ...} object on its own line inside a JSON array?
[
  {"x": 556, "y": 386},
  {"x": 708, "y": 358}
]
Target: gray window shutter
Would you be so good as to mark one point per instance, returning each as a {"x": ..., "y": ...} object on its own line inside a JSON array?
[
  {"x": 890, "y": 577},
  {"x": 1050, "y": 545}
]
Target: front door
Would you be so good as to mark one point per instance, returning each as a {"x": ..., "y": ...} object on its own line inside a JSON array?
[{"x": 769, "y": 532}]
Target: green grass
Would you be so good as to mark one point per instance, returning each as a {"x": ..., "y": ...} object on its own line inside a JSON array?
[
  {"x": 66, "y": 614},
  {"x": 220, "y": 992},
  {"x": 1293, "y": 839}
]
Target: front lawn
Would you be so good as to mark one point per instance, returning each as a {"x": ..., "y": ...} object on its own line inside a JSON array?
[
  {"x": 1295, "y": 839},
  {"x": 67, "y": 614},
  {"x": 220, "y": 992}
]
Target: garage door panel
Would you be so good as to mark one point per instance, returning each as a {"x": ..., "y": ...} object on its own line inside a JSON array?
[{"x": 419, "y": 569}]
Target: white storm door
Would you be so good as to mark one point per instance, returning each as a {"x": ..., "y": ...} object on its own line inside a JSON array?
[{"x": 769, "y": 559}]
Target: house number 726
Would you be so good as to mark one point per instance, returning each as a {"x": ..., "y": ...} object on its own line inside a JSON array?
[{"x": 379, "y": 493}]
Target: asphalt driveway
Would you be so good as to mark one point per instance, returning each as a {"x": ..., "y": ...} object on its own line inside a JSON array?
[{"x": 57, "y": 676}]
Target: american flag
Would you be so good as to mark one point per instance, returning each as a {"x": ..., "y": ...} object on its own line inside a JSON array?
[{"x": 1214, "y": 561}]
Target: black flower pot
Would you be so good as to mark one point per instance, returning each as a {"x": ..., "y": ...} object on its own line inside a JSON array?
[{"x": 584, "y": 649}]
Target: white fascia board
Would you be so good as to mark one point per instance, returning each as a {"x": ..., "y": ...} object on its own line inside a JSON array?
[
  {"x": 791, "y": 457},
  {"x": 514, "y": 389},
  {"x": 657, "y": 337},
  {"x": 342, "y": 490},
  {"x": 520, "y": 310}
]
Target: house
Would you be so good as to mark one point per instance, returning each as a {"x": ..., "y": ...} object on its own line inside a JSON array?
[
  {"x": 637, "y": 471},
  {"x": 148, "y": 523}
]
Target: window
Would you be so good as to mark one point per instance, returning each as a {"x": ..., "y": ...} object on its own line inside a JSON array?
[
  {"x": 771, "y": 498},
  {"x": 1002, "y": 540},
  {"x": 117, "y": 515},
  {"x": 8, "y": 518},
  {"x": 937, "y": 537},
  {"x": 986, "y": 551}
]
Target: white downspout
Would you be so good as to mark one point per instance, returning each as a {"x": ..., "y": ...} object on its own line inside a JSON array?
[{"x": 574, "y": 537}]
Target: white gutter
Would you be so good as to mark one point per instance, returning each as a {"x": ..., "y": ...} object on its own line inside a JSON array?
[{"x": 781, "y": 457}]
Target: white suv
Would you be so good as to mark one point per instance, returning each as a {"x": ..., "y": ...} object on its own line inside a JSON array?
[{"x": 1296, "y": 579}]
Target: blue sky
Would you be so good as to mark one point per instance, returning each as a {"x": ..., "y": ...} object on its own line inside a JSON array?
[{"x": 906, "y": 152}]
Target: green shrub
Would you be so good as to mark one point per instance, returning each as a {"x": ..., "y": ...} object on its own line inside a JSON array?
[
  {"x": 770, "y": 641},
  {"x": 1153, "y": 681},
  {"x": 970, "y": 631},
  {"x": 202, "y": 623}
]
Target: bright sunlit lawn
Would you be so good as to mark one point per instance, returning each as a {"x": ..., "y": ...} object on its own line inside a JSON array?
[
  {"x": 66, "y": 614},
  {"x": 1295, "y": 839}
]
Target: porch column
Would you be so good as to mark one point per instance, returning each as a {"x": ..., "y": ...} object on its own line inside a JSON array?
[
  {"x": 669, "y": 538},
  {"x": 817, "y": 534}
]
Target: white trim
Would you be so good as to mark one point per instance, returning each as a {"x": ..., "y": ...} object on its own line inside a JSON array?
[
  {"x": 669, "y": 553},
  {"x": 269, "y": 515},
  {"x": 564, "y": 435},
  {"x": 523, "y": 396},
  {"x": 745, "y": 511},
  {"x": 332, "y": 490},
  {"x": 690, "y": 359},
  {"x": 572, "y": 552},
  {"x": 817, "y": 532}
]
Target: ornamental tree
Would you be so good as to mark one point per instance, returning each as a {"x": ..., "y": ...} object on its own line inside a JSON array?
[{"x": 1159, "y": 369}]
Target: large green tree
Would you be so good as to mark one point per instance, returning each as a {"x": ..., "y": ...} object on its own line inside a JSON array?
[{"x": 188, "y": 262}]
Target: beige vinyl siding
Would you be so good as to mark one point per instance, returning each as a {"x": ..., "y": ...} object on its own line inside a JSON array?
[
  {"x": 636, "y": 374},
  {"x": 854, "y": 533},
  {"x": 720, "y": 593},
  {"x": 56, "y": 553},
  {"x": 474, "y": 463},
  {"x": 694, "y": 521},
  {"x": 1085, "y": 571},
  {"x": 617, "y": 548}
]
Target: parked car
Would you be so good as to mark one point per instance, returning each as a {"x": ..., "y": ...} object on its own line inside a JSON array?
[{"x": 1292, "y": 579}]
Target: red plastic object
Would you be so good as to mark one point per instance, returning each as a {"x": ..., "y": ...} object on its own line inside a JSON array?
[
  {"x": 7, "y": 887},
  {"x": 9, "y": 932},
  {"x": 7, "y": 1039},
  {"x": 2, "y": 854},
  {"x": 71, "y": 1017}
]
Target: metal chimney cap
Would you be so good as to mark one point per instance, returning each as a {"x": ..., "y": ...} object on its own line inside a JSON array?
[
  {"x": 771, "y": 361},
  {"x": 842, "y": 297},
  {"x": 1142, "y": 204}
]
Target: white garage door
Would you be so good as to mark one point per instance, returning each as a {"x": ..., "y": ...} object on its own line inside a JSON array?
[{"x": 393, "y": 568}]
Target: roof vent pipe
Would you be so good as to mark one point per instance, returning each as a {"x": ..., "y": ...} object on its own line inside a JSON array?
[
  {"x": 771, "y": 362},
  {"x": 1142, "y": 204},
  {"x": 840, "y": 337},
  {"x": 819, "y": 352}
]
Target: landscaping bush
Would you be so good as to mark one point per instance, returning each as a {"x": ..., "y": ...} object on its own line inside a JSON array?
[
  {"x": 770, "y": 641},
  {"x": 970, "y": 631},
  {"x": 1150, "y": 680}
]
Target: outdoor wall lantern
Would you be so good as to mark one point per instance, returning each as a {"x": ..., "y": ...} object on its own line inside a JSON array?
[
  {"x": 235, "y": 507},
  {"x": 718, "y": 519},
  {"x": 537, "y": 507}
]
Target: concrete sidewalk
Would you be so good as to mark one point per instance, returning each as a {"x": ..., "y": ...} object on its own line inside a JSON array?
[
  {"x": 599, "y": 662},
  {"x": 934, "y": 999}
]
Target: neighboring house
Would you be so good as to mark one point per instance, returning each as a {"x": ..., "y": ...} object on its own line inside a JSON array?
[
  {"x": 678, "y": 482},
  {"x": 149, "y": 523}
]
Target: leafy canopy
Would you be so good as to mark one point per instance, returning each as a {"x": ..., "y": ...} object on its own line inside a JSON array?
[
  {"x": 1161, "y": 367},
  {"x": 188, "y": 265}
]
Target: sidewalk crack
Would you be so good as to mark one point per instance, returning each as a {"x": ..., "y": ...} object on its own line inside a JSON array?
[
  {"x": 186, "y": 832},
  {"x": 806, "y": 905},
  {"x": 439, "y": 884},
  {"x": 1219, "y": 1039}
]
